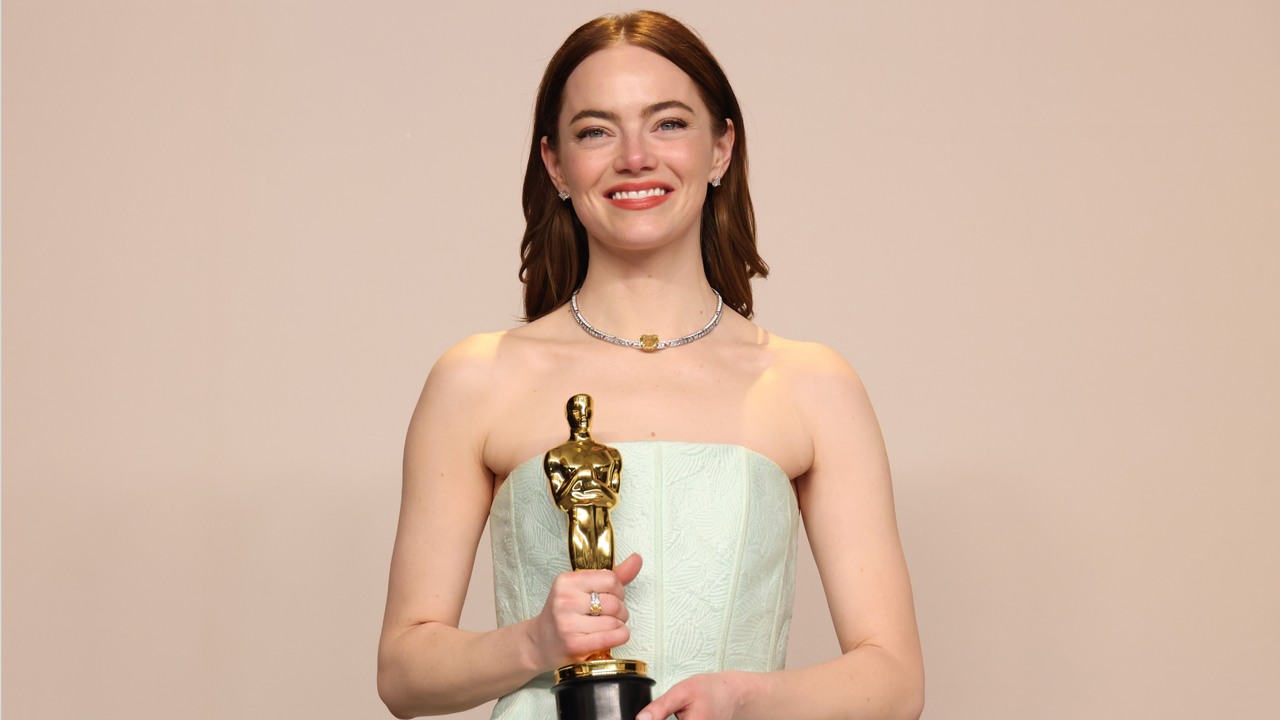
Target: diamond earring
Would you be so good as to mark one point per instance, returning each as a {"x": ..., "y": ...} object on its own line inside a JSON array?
[
  {"x": 564, "y": 194},
  {"x": 715, "y": 181}
]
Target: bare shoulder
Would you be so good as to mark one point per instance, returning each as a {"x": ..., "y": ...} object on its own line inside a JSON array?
[
  {"x": 484, "y": 356},
  {"x": 834, "y": 413},
  {"x": 810, "y": 363},
  {"x": 474, "y": 378},
  {"x": 466, "y": 367},
  {"x": 820, "y": 379}
]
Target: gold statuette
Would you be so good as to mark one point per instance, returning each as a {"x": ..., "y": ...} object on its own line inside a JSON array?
[{"x": 585, "y": 477}]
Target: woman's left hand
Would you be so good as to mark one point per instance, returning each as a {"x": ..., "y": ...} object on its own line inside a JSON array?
[{"x": 708, "y": 696}]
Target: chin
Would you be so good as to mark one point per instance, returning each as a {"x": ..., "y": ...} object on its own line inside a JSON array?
[{"x": 641, "y": 236}]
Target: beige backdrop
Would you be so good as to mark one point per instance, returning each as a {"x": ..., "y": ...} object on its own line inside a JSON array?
[{"x": 237, "y": 235}]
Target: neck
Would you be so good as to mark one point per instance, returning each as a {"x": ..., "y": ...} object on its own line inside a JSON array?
[{"x": 662, "y": 291}]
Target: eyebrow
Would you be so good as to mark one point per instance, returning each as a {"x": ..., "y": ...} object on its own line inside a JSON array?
[{"x": 613, "y": 117}]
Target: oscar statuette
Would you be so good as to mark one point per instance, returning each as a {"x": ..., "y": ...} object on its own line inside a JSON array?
[{"x": 585, "y": 477}]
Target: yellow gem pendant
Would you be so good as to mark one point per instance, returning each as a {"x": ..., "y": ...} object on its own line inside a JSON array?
[{"x": 648, "y": 343}]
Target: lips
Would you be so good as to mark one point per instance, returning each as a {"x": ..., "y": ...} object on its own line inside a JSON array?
[{"x": 638, "y": 195}]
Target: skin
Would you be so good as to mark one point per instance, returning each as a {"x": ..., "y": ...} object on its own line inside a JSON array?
[{"x": 496, "y": 400}]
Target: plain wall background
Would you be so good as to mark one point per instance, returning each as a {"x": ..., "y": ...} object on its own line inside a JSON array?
[{"x": 238, "y": 234}]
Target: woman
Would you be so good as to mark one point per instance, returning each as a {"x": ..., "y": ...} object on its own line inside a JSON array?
[{"x": 640, "y": 223}]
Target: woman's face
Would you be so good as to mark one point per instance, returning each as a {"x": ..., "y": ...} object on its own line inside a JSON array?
[{"x": 636, "y": 149}]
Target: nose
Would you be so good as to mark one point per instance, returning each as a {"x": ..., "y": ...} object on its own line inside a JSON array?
[{"x": 635, "y": 155}]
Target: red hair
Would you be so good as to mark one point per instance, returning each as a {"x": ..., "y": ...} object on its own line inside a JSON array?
[{"x": 554, "y": 250}]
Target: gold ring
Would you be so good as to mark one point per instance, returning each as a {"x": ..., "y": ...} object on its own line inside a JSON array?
[{"x": 595, "y": 603}]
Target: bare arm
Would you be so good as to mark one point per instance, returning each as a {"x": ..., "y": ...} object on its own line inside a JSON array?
[
  {"x": 846, "y": 498},
  {"x": 426, "y": 665}
]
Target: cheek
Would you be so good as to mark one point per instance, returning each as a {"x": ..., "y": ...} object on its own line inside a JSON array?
[
  {"x": 687, "y": 159},
  {"x": 583, "y": 166}
]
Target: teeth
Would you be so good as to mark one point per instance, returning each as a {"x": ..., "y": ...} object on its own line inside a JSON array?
[{"x": 637, "y": 194}]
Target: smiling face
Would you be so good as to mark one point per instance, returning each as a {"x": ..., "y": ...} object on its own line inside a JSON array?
[{"x": 636, "y": 149}]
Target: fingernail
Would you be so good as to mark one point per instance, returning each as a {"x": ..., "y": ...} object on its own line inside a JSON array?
[{"x": 644, "y": 716}]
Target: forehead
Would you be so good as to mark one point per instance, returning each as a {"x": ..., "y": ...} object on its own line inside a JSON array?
[{"x": 624, "y": 79}]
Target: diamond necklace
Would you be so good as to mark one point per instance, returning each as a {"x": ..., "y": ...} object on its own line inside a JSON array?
[{"x": 648, "y": 343}]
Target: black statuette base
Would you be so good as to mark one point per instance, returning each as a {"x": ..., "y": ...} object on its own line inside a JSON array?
[{"x": 612, "y": 697}]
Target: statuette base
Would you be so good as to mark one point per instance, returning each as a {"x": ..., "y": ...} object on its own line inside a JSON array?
[{"x": 602, "y": 690}]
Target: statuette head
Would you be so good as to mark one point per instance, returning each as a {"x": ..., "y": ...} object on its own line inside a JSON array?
[{"x": 578, "y": 412}]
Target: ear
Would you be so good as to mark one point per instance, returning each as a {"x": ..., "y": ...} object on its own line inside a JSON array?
[
  {"x": 722, "y": 151},
  {"x": 552, "y": 163}
]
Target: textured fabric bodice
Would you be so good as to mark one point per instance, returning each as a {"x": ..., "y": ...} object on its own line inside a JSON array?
[{"x": 716, "y": 525}]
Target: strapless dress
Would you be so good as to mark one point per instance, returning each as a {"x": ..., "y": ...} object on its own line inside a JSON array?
[{"x": 716, "y": 525}]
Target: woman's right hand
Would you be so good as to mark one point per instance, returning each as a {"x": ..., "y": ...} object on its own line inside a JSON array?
[{"x": 565, "y": 632}]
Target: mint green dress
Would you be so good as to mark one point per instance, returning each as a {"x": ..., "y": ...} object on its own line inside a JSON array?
[{"x": 716, "y": 525}]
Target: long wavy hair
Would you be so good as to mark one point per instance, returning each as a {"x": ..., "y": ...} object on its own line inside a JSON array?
[{"x": 554, "y": 251}]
